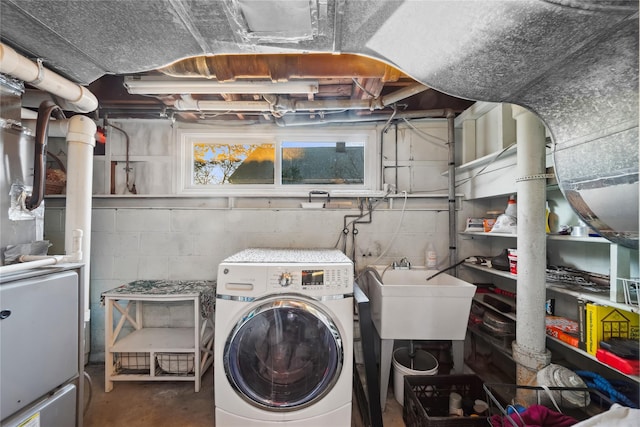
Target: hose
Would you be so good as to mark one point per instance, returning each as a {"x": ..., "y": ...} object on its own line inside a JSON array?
[
  {"x": 598, "y": 382},
  {"x": 90, "y": 383},
  {"x": 446, "y": 269}
]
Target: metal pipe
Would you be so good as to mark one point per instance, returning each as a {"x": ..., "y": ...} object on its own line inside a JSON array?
[
  {"x": 348, "y": 118},
  {"x": 529, "y": 349},
  {"x": 396, "y": 157},
  {"x": 40, "y": 149},
  {"x": 14, "y": 64},
  {"x": 451, "y": 142}
]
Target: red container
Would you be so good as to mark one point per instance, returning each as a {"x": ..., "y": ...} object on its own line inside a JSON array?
[{"x": 513, "y": 261}]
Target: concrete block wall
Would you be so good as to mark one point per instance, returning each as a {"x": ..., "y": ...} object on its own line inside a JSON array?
[
  {"x": 169, "y": 237},
  {"x": 185, "y": 243}
]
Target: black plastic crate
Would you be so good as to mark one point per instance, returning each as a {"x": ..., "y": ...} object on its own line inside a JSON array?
[{"x": 426, "y": 400}]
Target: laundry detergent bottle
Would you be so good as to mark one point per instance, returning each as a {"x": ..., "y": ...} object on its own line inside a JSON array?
[
  {"x": 512, "y": 207},
  {"x": 431, "y": 257}
]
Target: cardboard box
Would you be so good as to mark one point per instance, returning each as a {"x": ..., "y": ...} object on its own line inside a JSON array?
[
  {"x": 603, "y": 322},
  {"x": 566, "y": 330}
]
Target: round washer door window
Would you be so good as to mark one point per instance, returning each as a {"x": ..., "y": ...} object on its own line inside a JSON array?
[{"x": 284, "y": 354}]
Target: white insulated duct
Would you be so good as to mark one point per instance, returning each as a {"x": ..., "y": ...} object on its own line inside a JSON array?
[{"x": 16, "y": 65}]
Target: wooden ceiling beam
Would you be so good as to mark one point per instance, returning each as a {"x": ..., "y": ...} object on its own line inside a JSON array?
[{"x": 283, "y": 67}]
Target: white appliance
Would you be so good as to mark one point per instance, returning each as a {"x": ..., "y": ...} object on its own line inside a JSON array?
[
  {"x": 41, "y": 348},
  {"x": 41, "y": 310},
  {"x": 284, "y": 338}
]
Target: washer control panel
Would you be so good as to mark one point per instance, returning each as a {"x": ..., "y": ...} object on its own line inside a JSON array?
[
  {"x": 334, "y": 279},
  {"x": 254, "y": 280}
]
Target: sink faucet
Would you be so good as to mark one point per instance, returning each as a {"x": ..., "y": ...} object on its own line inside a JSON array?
[{"x": 404, "y": 264}]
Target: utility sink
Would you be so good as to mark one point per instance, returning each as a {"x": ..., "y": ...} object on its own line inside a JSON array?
[{"x": 404, "y": 305}]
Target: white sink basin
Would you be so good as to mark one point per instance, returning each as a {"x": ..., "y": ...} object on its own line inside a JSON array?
[{"x": 407, "y": 306}]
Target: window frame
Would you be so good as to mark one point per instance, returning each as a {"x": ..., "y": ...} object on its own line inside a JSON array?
[{"x": 186, "y": 137}]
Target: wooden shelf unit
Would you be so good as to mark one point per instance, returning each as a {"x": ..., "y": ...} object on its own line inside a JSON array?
[{"x": 155, "y": 353}]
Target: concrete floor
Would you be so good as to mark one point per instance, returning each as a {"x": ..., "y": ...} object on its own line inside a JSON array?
[{"x": 170, "y": 404}]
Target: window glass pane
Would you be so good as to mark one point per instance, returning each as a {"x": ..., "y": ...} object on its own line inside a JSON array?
[
  {"x": 227, "y": 163},
  {"x": 322, "y": 162}
]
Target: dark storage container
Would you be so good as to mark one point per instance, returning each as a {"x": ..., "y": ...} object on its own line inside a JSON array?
[{"x": 426, "y": 400}]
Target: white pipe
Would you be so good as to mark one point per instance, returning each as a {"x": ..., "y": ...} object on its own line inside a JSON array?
[
  {"x": 80, "y": 144},
  {"x": 57, "y": 259},
  {"x": 16, "y": 65},
  {"x": 530, "y": 347},
  {"x": 55, "y": 128},
  {"x": 32, "y": 98},
  {"x": 27, "y": 262},
  {"x": 284, "y": 105},
  {"x": 188, "y": 103},
  {"x": 22, "y": 266}
]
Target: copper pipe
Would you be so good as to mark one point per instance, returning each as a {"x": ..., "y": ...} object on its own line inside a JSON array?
[{"x": 40, "y": 149}]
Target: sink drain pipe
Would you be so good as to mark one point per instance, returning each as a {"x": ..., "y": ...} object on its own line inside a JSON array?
[{"x": 529, "y": 348}]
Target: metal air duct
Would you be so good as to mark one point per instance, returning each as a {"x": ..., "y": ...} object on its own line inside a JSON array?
[{"x": 599, "y": 178}]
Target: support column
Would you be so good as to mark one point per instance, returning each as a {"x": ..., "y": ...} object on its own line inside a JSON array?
[{"x": 529, "y": 349}]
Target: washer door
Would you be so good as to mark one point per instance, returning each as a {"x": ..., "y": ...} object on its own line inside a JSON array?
[{"x": 284, "y": 354}]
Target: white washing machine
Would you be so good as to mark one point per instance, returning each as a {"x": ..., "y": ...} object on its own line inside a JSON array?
[{"x": 284, "y": 339}]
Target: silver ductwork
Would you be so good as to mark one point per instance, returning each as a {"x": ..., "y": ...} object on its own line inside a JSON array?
[
  {"x": 16, "y": 154},
  {"x": 599, "y": 178}
]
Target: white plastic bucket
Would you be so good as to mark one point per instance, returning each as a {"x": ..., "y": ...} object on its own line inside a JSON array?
[{"x": 424, "y": 363}]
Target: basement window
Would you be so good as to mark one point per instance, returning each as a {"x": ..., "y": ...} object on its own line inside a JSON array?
[
  {"x": 322, "y": 163},
  {"x": 279, "y": 162},
  {"x": 223, "y": 163}
]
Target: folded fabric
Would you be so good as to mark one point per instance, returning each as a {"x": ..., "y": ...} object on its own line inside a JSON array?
[
  {"x": 534, "y": 416},
  {"x": 616, "y": 416}
]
